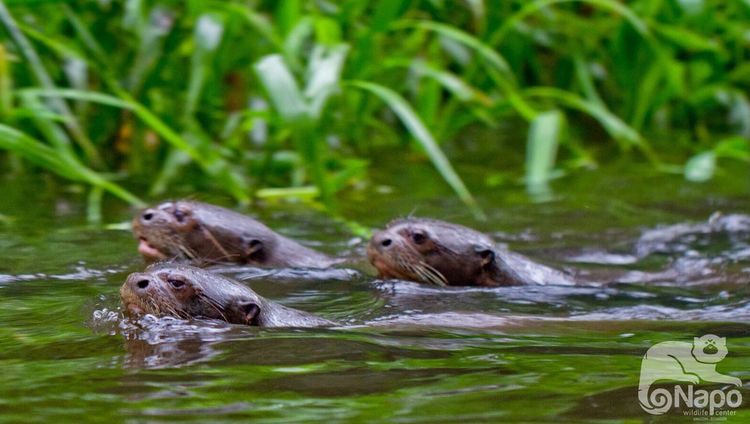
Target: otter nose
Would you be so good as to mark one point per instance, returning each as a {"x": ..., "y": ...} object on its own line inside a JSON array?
[
  {"x": 139, "y": 282},
  {"x": 147, "y": 215},
  {"x": 382, "y": 240}
]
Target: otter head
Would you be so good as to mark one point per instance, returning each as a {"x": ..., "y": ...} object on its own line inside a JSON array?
[
  {"x": 187, "y": 292},
  {"x": 709, "y": 349},
  {"x": 433, "y": 251},
  {"x": 200, "y": 232}
]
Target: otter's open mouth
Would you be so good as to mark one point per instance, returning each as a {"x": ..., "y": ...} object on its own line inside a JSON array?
[{"x": 149, "y": 251}]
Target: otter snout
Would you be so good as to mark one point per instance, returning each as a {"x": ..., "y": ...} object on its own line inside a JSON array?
[
  {"x": 148, "y": 215},
  {"x": 149, "y": 227},
  {"x": 381, "y": 240},
  {"x": 151, "y": 216},
  {"x": 383, "y": 251},
  {"x": 136, "y": 287},
  {"x": 139, "y": 282},
  {"x": 381, "y": 243}
]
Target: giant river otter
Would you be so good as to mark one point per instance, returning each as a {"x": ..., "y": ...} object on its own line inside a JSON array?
[
  {"x": 441, "y": 253},
  {"x": 206, "y": 233},
  {"x": 184, "y": 291}
]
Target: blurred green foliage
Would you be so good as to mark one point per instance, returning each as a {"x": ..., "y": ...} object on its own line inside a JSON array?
[{"x": 289, "y": 98}]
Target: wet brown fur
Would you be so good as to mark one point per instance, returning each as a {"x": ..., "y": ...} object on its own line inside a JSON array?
[
  {"x": 183, "y": 291},
  {"x": 446, "y": 254},
  {"x": 207, "y": 234}
]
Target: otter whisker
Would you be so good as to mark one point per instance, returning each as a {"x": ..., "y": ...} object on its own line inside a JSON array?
[
  {"x": 183, "y": 251},
  {"x": 216, "y": 243},
  {"x": 436, "y": 273},
  {"x": 214, "y": 304},
  {"x": 435, "y": 276},
  {"x": 412, "y": 268},
  {"x": 424, "y": 275},
  {"x": 152, "y": 306},
  {"x": 210, "y": 261},
  {"x": 418, "y": 272},
  {"x": 187, "y": 252},
  {"x": 410, "y": 263}
]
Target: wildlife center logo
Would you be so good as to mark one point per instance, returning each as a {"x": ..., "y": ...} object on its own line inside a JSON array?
[{"x": 691, "y": 363}]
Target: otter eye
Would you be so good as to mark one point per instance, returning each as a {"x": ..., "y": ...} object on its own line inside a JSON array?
[
  {"x": 179, "y": 215},
  {"x": 418, "y": 238},
  {"x": 178, "y": 284}
]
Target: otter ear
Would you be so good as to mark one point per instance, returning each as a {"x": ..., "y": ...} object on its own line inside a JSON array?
[
  {"x": 486, "y": 256},
  {"x": 254, "y": 249},
  {"x": 249, "y": 312}
]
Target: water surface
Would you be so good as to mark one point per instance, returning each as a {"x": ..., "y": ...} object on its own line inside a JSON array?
[{"x": 405, "y": 352}]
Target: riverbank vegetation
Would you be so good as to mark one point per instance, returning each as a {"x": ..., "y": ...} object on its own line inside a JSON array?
[{"x": 288, "y": 98}]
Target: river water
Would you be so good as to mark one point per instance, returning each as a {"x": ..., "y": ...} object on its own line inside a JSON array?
[{"x": 404, "y": 352}]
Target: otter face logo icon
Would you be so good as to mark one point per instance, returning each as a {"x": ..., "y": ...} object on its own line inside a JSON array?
[{"x": 688, "y": 363}]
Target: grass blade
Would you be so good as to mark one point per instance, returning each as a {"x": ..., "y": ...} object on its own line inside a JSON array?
[
  {"x": 536, "y": 6},
  {"x": 6, "y": 84},
  {"x": 448, "y": 80},
  {"x": 484, "y": 50},
  {"x": 282, "y": 88},
  {"x": 37, "y": 68},
  {"x": 205, "y": 156},
  {"x": 207, "y": 35},
  {"x": 105, "y": 99},
  {"x": 152, "y": 34},
  {"x": 40, "y": 154},
  {"x": 541, "y": 149},
  {"x": 46, "y": 123},
  {"x": 498, "y": 71},
  {"x": 610, "y": 122},
  {"x": 324, "y": 76},
  {"x": 257, "y": 21},
  {"x": 94, "y": 205},
  {"x": 701, "y": 167},
  {"x": 420, "y": 133},
  {"x": 293, "y": 107},
  {"x": 307, "y": 193},
  {"x": 287, "y": 14}
]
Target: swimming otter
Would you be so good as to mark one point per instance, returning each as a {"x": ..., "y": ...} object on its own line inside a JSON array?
[
  {"x": 185, "y": 291},
  {"x": 441, "y": 253},
  {"x": 206, "y": 233}
]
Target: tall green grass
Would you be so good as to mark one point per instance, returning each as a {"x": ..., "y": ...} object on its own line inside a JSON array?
[{"x": 287, "y": 98}]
